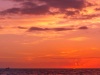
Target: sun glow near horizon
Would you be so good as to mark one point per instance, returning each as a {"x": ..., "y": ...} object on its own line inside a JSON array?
[{"x": 50, "y": 33}]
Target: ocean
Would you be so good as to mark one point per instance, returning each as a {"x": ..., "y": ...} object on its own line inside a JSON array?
[{"x": 11, "y": 71}]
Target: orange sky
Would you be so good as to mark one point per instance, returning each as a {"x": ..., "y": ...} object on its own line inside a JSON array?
[{"x": 50, "y": 33}]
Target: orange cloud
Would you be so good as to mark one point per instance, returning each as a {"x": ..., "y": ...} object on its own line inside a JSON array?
[{"x": 78, "y": 39}]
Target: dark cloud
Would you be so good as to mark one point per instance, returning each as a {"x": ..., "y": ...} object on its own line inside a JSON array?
[
  {"x": 64, "y": 4},
  {"x": 30, "y": 7},
  {"x": 21, "y": 0},
  {"x": 28, "y": 4},
  {"x": 37, "y": 10},
  {"x": 83, "y": 27},
  {"x": 70, "y": 13},
  {"x": 22, "y": 27},
  {"x": 48, "y": 29},
  {"x": 11, "y": 11},
  {"x": 86, "y": 17},
  {"x": 61, "y": 29},
  {"x": 18, "y": 0},
  {"x": 27, "y": 7},
  {"x": 37, "y": 29},
  {"x": 97, "y": 9}
]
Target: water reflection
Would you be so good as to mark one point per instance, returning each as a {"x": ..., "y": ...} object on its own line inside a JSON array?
[{"x": 9, "y": 71}]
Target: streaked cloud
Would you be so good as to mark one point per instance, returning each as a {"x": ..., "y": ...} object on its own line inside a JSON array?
[
  {"x": 48, "y": 29},
  {"x": 20, "y": 27},
  {"x": 78, "y": 39},
  {"x": 83, "y": 27},
  {"x": 55, "y": 29}
]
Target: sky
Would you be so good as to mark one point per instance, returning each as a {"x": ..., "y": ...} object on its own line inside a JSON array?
[{"x": 50, "y": 33}]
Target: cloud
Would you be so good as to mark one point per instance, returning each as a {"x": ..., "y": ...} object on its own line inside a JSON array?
[
  {"x": 20, "y": 0},
  {"x": 56, "y": 29},
  {"x": 78, "y": 39},
  {"x": 21, "y": 27},
  {"x": 97, "y": 9},
  {"x": 83, "y": 27},
  {"x": 37, "y": 10},
  {"x": 43, "y": 7},
  {"x": 28, "y": 4},
  {"x": 62, "y": 29},
  {"x": 10, "y": 11},
  {"x": 70, "y": 13},
  {"x": 37, "y": 29},
  {"x": 48, "y": 29},
  {"x": 70, "y": 8},
  {"x": 64, "y": 4},
  {"x": 27, "y": 7},
  {"x": 86, "y": 17}
]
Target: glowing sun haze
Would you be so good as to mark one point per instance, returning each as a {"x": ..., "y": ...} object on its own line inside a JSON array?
[{"x": 50, "y": 33}]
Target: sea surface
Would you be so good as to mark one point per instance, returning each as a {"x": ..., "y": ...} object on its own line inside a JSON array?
[{"x": 10, "y": 71}]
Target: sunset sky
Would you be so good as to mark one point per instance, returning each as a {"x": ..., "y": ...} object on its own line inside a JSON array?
[{"x": 50, "y": 33}]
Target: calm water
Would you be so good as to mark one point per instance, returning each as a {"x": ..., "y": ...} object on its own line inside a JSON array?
[{"x": 49, "y": 71}]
